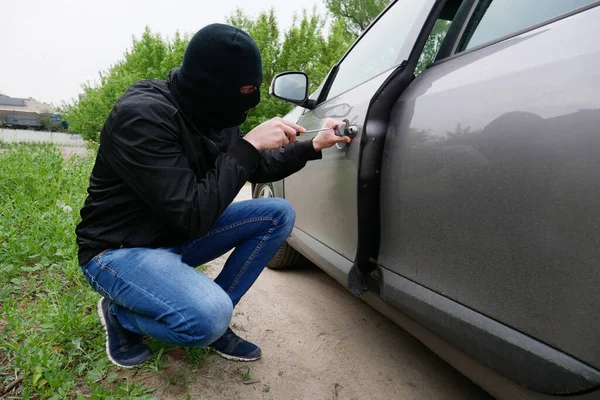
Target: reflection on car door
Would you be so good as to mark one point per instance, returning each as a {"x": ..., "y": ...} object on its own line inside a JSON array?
[{"x": 491, "y": 195}]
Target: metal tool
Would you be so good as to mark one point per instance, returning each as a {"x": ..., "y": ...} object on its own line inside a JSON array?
[
  {"x": 336, "y": 130},
  {"x": 344, "y": 129}
]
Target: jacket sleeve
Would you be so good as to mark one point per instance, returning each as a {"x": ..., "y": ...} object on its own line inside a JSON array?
[
  {"x": 278, "y": 164},
  {"x": 144, "y": 149}
]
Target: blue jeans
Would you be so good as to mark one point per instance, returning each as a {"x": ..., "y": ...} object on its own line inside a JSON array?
[{"x": 158, "y": 293}]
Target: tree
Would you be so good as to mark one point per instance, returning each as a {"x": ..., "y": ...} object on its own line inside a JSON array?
[
  {"x": 357, "y": 13},
  {"x": 47, "y": 123},
  {"x": 305, "y": 46},
  {"x": 150, "y": 57}
]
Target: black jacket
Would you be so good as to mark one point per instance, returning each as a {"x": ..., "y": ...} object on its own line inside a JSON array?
[{"x": 159, "y": 181}]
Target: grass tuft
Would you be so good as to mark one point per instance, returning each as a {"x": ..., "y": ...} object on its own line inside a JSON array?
[{"x": 197, "y": 357}]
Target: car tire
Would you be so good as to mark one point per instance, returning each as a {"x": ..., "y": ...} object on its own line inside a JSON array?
[{"x": 286, "y": 256}]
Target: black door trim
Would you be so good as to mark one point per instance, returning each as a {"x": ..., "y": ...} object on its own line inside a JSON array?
[
  {"x": 513, "y": 354},
  {"x": 363, "y": 275}
]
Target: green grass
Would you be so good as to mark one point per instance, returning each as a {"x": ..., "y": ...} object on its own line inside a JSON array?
[
  {"x": 246, "y": 375},
  {"x": 196, "y": 357},
  {"x": 49, "y": 332}
]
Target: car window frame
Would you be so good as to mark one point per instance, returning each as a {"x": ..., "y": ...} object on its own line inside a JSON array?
[
  {"x": 333, "y": 73},
  {"x": 457, "y": 53}
]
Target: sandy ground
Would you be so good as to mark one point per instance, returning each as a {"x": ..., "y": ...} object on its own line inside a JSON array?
[{"x": 318, "y": 342}]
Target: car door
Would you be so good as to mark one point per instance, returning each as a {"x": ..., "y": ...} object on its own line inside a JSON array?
[
  {"x": 324, "y": 194},
  {"x": 489, "y": 195}
]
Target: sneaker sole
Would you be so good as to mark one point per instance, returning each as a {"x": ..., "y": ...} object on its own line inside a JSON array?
[
  {"x": 234, "y": 358},
  {"x": 103, "y": 321}
]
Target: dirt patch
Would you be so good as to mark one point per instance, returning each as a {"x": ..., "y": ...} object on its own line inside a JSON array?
[{"x": 318, "y": 342}]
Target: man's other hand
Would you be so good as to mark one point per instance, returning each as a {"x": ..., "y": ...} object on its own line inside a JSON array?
[
  {"x": 273, "y": 134},
  {"x": 328, "y": 138}
]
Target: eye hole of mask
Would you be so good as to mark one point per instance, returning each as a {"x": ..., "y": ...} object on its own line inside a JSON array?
[{"x": 248, "y": 89}]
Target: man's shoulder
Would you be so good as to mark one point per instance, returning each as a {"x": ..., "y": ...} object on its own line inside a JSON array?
[{"x": 147, "y": 99}]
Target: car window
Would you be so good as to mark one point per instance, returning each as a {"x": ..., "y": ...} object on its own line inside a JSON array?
[
  {"x": 494, "y": 19},
  {"x": 379, "y": 48}
]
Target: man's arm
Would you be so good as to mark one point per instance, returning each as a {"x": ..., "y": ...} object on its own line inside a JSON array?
[
  {"x": 146, "y": 153},
  {"x": 279, "y": 160},
  {"x": 278, "y": 164}
]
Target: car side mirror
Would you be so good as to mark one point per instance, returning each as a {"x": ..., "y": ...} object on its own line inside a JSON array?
[{"x": 292, "y": 87}]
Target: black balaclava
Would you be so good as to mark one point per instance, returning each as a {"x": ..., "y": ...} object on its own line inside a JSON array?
[{"x": 218, "y": 62}]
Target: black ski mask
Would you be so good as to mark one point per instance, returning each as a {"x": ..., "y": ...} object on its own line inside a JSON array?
[{"x": 218, "y": 62}]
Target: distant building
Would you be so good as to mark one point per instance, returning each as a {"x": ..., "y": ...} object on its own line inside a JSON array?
[{"x": 23, "y": 113}]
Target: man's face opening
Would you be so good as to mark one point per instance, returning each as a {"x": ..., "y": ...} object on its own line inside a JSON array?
[
  {"x": 248, "y": 89},
  {"x": 245, "y": 90}
]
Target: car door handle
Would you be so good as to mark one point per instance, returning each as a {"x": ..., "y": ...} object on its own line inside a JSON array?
[{"x": 348, "y": 130}]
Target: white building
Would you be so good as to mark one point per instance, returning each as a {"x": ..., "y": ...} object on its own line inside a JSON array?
[{"x": 22, "y": 113}]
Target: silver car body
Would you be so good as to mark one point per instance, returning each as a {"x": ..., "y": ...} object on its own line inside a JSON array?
[{"x": 489, "y": 204}]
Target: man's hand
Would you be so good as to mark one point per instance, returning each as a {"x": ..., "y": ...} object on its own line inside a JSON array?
[
  {"x": 273, "y": 134},
  {"x": 328, "y": 138}
]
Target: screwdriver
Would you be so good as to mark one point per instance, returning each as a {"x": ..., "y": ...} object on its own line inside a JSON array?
[{"x": 336, "y": 130}]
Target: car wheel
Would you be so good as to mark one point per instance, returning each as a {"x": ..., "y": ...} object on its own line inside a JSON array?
[{"x": 286, "y": 256}]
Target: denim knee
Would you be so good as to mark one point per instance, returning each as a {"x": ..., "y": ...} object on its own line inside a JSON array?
[
  {"x": 284, "y": 213},
  {"x": 205, "y": 321}
]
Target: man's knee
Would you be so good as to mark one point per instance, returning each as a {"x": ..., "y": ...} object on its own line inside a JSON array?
[
  {"x": 205, "y": 321},
  {"x": 283, "y": 213}
]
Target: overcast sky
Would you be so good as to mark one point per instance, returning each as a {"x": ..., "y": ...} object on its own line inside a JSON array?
[{"x": 49, "y": 48}]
